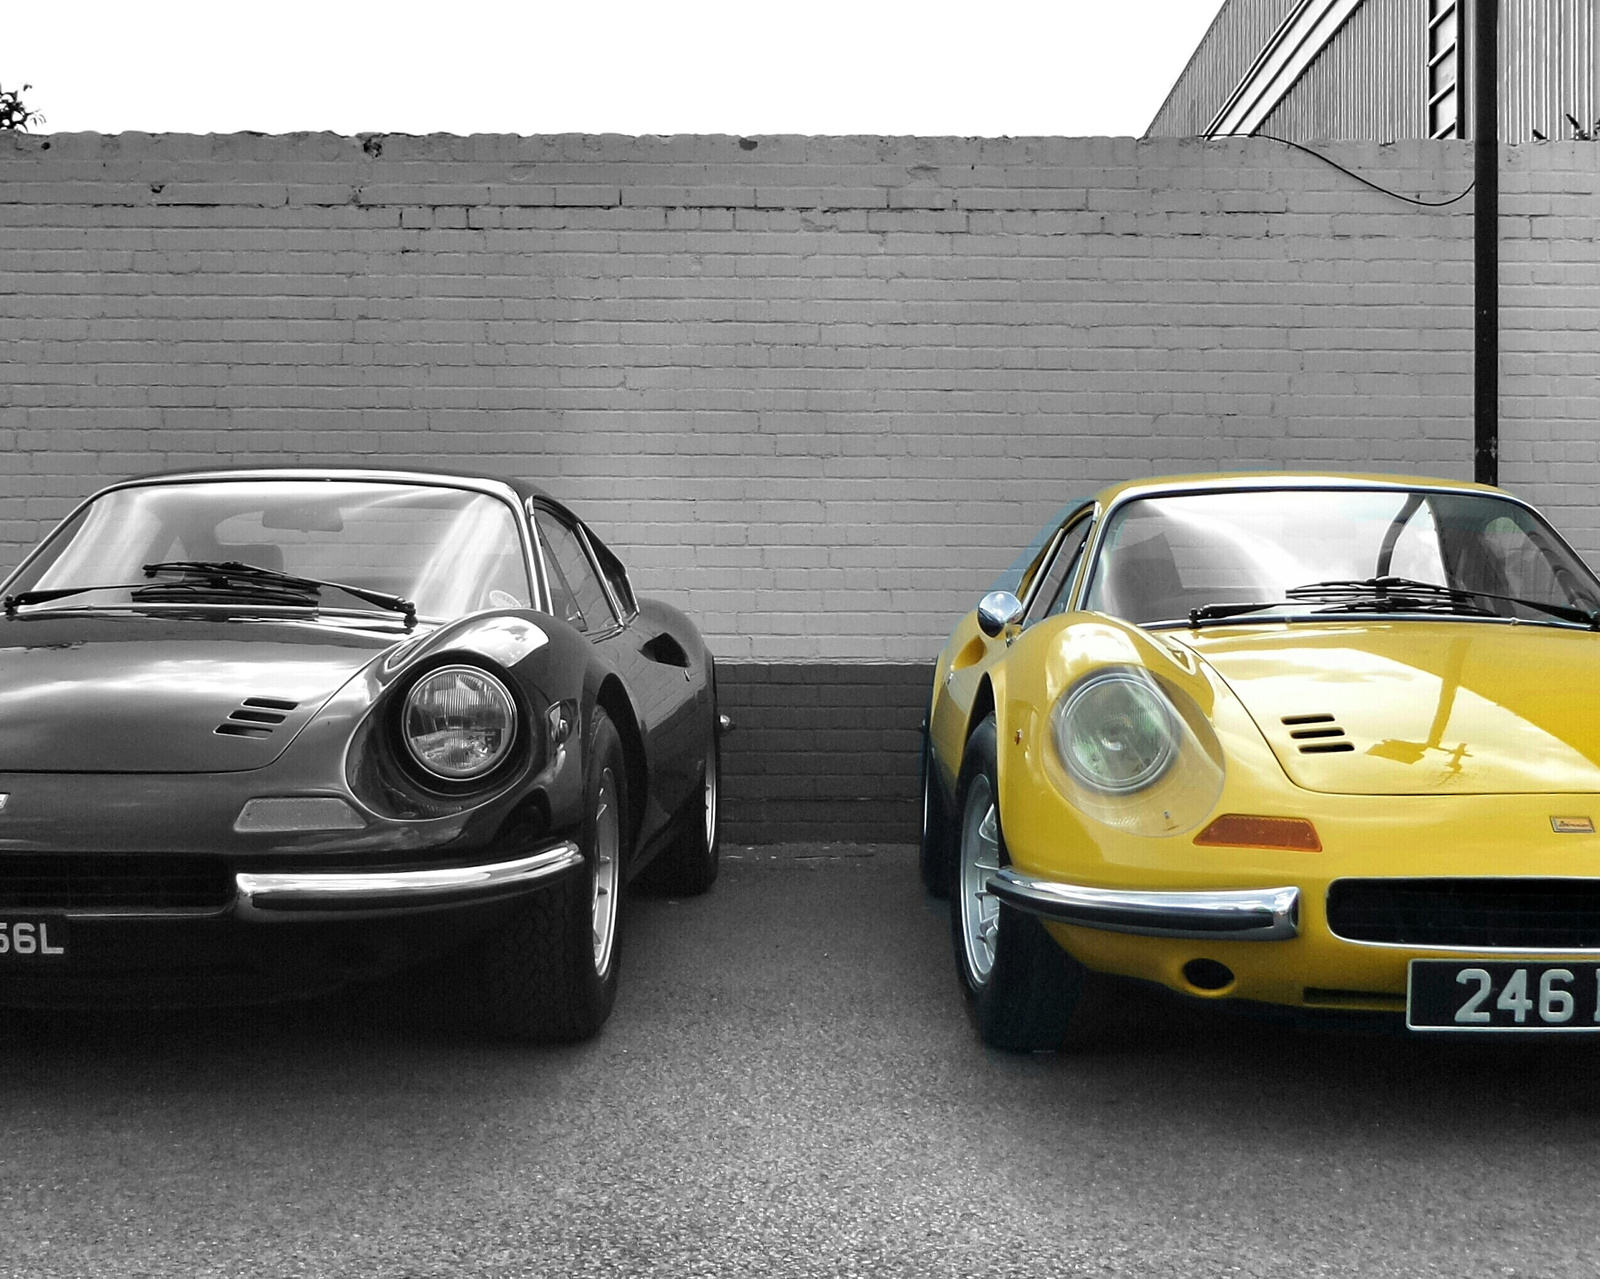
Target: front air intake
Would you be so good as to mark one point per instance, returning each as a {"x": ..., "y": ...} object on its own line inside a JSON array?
[
  {"x": 114, "y": 882},
  {"x": 256, "y": 717},
  {"x": 1474, "y": 914},
  {"x": 1317, "y": 734}
]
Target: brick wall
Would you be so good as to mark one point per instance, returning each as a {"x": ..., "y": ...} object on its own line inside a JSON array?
[
  {"x": 816, "y": 391},
  {"x": 823, "y": 750}
]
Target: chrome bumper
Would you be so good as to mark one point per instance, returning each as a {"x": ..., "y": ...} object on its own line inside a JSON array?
[
  {"x": 319, "y": 895},
  {"x": 1257, "y": 914}
]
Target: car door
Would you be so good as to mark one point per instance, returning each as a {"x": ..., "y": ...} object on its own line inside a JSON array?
[{"x": 661, "y": 691}]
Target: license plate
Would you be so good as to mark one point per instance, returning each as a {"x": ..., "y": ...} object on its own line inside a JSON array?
[
  {"x": 1447, "y": 994},
  {"x": 32, "y": 939}
]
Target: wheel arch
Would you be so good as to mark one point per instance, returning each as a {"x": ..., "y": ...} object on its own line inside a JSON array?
[
  {"x": 612, "y": 698},
  {"x": 990, "y": 702},
  {"x": 983, "y": 706}
]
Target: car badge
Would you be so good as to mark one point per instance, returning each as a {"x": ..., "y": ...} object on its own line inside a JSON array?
[{"x": 1572, "y": 825}]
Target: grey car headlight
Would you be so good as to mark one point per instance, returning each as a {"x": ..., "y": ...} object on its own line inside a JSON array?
[
  {"x": 459, "y": 722},
  {"x": 1116, "y": 732}
]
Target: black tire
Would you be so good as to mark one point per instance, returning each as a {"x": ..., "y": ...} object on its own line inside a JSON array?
[
  {"x": 935, "y": 857},
  {"x": 1033, "y": 994},
  {"x": 541, "y": 976},
  {"x": 688, "y": 866}
]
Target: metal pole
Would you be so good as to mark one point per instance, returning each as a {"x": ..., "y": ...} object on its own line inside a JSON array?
[{"x": 1486, "y": 242}]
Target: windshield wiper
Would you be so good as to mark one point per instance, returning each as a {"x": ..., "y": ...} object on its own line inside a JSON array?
[
  {"x": 234, "y": 576},
  {"x": 1345, "y": 595},
  {"x": 23, "y": 598},
  {"x": 1392, "y": 595},
  {"x": 1403, "y": 594},
  {"x": 234, "y": 580}
]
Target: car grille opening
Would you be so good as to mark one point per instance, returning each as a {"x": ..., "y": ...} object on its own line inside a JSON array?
[
  {"x": 1490, "y": 914},
  {"x": 256, "y": 717},
  {"x": 113, "y": 882},
  {"x": 1317, "y": 734}
]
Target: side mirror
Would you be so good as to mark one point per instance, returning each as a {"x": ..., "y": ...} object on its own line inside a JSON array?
[{"x": 998, "y": 610}]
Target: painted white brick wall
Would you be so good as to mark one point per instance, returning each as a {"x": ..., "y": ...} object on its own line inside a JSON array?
[{"x": 815, "y": 390}]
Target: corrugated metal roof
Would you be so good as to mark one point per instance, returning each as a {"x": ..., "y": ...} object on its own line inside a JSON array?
[
  {"x": 1370, "y": 82},
  {"x": 1224, "y": 54},
  {"x": 1339, "y": 97},
  {"x": 1548, "y": 50}
]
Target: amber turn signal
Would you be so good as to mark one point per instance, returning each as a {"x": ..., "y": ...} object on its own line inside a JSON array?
[{"x": 1240, "y": 830}]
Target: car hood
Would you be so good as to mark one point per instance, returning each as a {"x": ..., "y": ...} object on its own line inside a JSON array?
[
  {"x": 141, "y": 694},
  {"x": 1408, "y": 708}
]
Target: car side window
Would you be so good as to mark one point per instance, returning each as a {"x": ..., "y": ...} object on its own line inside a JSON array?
[
  {"x": 575, "y": 590},
  {"x": 616, "y": 576},
  {"x": 1051, "y": 597}
]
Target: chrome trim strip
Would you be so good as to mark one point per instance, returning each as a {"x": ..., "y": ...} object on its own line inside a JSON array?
[
  {"x": 542, "y": 569},
  {"x": 319, "y": 893},
  {"x": 1074, "y": 588},
  {"x": 1255, "y": 914}
]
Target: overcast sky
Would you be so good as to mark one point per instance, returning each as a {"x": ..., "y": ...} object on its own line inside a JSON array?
[{"x": 1017, "y": 67}]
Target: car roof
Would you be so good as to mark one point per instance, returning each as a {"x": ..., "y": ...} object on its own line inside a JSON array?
[
  {"x": 1244, "y": 481},
  {"x": 342, "y": 471},
  {"x": 517, "y": 487}
]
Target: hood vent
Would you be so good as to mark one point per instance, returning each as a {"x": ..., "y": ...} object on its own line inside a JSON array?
[
  {"x": 256, "y": 717},
  {"x": 1317, "y": 734}
]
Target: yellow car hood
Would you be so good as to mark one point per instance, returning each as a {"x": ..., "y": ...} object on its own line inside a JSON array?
[{"x": 1416, "y": 708}]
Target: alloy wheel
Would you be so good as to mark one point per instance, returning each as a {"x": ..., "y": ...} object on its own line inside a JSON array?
[
  {"x": 607, "y": 843},
  {"x": 711, "y": 781},
  {"x": 980, "y": 858}
]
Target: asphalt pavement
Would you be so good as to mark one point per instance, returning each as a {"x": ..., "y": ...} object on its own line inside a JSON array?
[{"x": 788, "y": 1086}]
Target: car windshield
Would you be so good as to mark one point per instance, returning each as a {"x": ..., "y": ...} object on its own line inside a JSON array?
[
  {"x": 450, "y": 550},
  {"x": 1163, "y": 557}
]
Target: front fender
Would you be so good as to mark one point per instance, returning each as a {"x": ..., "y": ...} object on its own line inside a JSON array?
[
  {"x": 1043, "y": 664},
  {"x": 967, "y": 668},
  {"x": 543, "y": 660}
]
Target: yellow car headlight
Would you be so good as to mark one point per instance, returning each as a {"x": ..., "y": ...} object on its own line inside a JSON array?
[
  {"x": 1135, "y": 752},
  {"x": 1116, "y": 732}
]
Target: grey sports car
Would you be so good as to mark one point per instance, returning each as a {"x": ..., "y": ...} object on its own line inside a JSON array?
[{"x": 267, "y": 731}]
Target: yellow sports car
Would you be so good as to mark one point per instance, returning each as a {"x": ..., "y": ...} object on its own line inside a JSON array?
[{"x": 1316, "y": 742}]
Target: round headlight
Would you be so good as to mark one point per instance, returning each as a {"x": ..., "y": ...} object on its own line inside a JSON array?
[
  {"x": 1115, "y": 732},
  {"x": 459, "y": 722}
]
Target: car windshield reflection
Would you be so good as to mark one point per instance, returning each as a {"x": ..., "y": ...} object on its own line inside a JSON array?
[
  {"x": 1268, "y": 554},
  {"x": 450, "y": 550}
]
